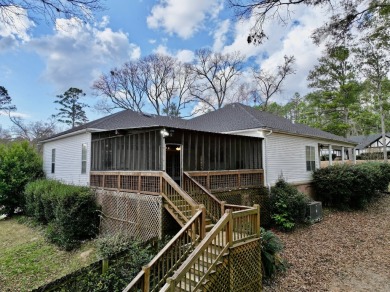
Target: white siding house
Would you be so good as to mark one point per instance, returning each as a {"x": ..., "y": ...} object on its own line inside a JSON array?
[
  {"x": 64, "y": 158},
  {"x": 286, "y": 155}
]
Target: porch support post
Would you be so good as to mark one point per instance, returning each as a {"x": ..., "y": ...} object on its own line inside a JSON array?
[
  {"x": 163, "y": 154},
  {"x": 330, "y": 155},
  {"x": 354, "y": 155},
  {"x": 343, "y": 154}
]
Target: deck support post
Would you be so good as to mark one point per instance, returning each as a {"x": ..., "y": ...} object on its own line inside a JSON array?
[{"x": 146, "y": 279}]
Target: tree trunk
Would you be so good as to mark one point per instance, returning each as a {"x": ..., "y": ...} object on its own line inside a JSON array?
[{"x": 382, "y": 122}]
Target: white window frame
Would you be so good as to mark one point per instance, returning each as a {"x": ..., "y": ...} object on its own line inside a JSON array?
[
  {"x": 84, "y": 151},
  {"x": 53, "y": 160},
  {"x": 310, "y": 158}
]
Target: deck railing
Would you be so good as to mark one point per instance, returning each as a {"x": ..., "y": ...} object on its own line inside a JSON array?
[
  {"x": 214, "y": 207},
  {"x": 148, "y": 182},
  {"x": 229, "y": 179},
  {"x": 154, "y": 275},
  {"x": 231, "y": 229}
]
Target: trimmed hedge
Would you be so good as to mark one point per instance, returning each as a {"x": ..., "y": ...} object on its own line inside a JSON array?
[
  {"x": 70, "y": 212},
  {"x": 350, "y": 186}
]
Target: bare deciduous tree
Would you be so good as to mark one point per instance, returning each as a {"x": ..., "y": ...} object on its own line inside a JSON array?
[
  {"x": 344, "y": 15},
  {"x": 215, "y": 75},
  {"x": 33, "y": 131},
  {"x": 160, "y": 80},
  {"x": 12, "y": 10},
  {"x": 269, "y": 84}
]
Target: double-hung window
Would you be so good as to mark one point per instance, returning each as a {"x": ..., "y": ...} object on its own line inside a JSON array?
[
  {"x": 53, "y": 160},
  {"x": 84, "y": 158},
  {"x": 310, "y": 158}
]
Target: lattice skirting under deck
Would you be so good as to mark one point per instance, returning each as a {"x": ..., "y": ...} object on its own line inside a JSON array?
[{"x": 139, "y": 216}]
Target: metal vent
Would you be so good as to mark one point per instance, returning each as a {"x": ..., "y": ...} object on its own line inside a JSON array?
[{"x": 314, "y": 211}]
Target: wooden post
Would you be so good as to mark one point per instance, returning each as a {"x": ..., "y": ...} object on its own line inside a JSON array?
[
  {"x": 257, "y": 206},
  {"x": 330, "y": 155},
  {"x": 202, "y": 231},
  {"x": 119, "y": 182},
  {"x": 342, "y": 154},
  {"x": 223, "y": 203},
  {"x": 229, "y": 231},
  {"x": 239, "y": 180},
  {"x": 146, "y": 287},
  {"x": 171, "y": 284},
  {"x": 161, "y": 183},
  {"x": 139, "y": 182}
]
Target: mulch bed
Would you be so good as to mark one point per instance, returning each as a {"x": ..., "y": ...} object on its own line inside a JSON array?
[{"x": 347, "y": 251}]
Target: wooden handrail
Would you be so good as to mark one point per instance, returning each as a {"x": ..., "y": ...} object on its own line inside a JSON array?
[
  {"x": 234, "y": 228},
  {"x": 177, "y": 188},
  {"x": 141, "y": 281},
  {"x": 214, "y": 207},
  {"x": 186, "y": 266}
]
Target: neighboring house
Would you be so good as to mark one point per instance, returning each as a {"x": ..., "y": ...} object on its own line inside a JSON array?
[
  {"x": 232, "y": 138},
  {"x": 370, "y": 144}
]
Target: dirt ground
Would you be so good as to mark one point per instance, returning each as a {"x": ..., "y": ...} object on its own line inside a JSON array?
[{"x": 347, "y": 251}]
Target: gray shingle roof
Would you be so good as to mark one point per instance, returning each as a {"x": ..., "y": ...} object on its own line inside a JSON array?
[
  {"x": 232, "y": 117},
  {"x": 365, "y": 141},
  {"x": 236, "y": 116},
  {"x": 128, "y": 119}
]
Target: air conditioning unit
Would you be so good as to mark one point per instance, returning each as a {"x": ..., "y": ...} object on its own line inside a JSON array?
[{"x": 314, "y": 212}]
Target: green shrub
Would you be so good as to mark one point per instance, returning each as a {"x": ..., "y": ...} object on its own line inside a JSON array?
[
  {"x": 19, "y": 165},
  {"x": 350, "y": 186},
  {"x": 271, "y": 260},
  {"x": 70, "y": 211},
  {"x": 288, "y": 205}
]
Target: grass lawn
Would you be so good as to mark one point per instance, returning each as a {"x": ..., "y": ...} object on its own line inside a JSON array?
[{"x": 28, "y": 261}]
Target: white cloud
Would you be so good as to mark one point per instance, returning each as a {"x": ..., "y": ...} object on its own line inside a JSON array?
[
  {"x": 77, "y": 53},
  {"x": 185, "y": 56},
  {"x": 183, "y": 17},
  {"x": 220, "y": 35},
  {"x": 15, "y": 114},
  {"x": 15, "y": 27},
  {"x": 283, "y": 40}
]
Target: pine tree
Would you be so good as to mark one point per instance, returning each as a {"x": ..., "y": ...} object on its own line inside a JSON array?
[{"x": 71, "y": 111}]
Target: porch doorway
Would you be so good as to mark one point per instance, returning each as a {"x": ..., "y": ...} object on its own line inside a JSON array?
[{"x": 174, "y": 161}]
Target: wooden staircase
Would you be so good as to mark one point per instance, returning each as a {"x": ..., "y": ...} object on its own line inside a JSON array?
[{"x": 201, "y": 248}]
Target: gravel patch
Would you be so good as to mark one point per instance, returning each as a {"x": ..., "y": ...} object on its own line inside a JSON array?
[{"x": 347, "y": 251}]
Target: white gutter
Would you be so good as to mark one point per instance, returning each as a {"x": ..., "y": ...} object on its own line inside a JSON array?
[
  {"x": 87, "y": 130},
  {"x": 341, "y": 143}
]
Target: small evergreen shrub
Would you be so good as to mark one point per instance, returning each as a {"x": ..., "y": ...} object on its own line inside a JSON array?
[
  {"x": 350, "y": 186},
  {"x": 19, "y": 165},
  {"x": 288, "y": 205},
  {"x": 70, "y": 212},
  {"x": 271, "y": 260}
]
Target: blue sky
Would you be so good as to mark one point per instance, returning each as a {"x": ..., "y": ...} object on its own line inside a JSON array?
[{"x": 41, "y": 60}]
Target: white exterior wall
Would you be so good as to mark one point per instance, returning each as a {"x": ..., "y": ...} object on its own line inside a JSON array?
[
  {"x": 68, "y": 159},
  {"x": 286, "y": 154}
]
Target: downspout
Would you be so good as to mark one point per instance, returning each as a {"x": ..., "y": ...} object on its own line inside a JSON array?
[{"x": 265, "y": 161}]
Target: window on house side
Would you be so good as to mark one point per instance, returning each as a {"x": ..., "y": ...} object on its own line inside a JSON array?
[
  {"x": 53, "y": 160},
  {"x": 84, "y": 158},
  {"x": 310, "y": 158}
]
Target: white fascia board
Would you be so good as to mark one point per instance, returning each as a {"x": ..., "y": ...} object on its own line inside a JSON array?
[{"x": 87, "y": 130}]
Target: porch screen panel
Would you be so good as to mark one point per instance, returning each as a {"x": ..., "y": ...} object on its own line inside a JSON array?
[
  {"x": 204, "y": 151},
  {"x": 128, "y": 151}
]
